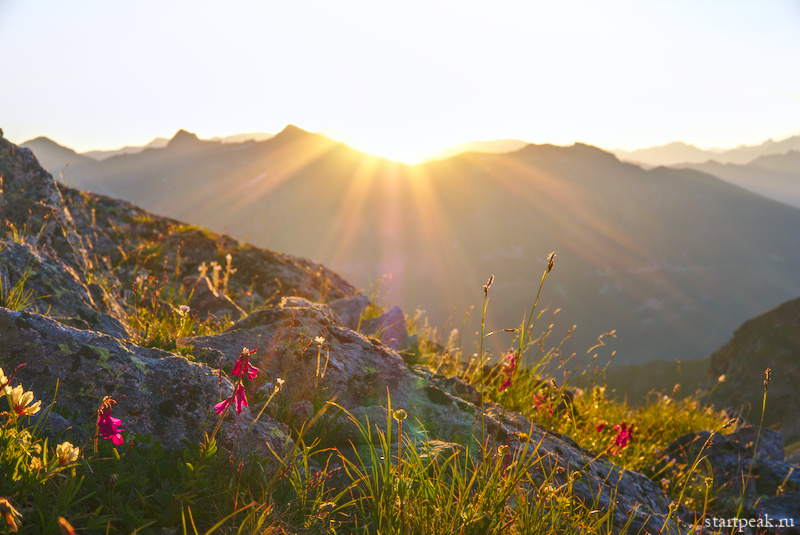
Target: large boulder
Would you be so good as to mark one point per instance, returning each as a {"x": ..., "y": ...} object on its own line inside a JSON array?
[
  {"x": 157, "y": 392},
  {"x": 50, "y": 286}
]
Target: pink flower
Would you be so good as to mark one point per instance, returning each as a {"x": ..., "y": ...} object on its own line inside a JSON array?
[
  {"x": 600, "y": 428},
  {"x": 219, "y": 407},
  {"x": 243, "y": 365},
  {"x": 238, "y": 396},
  {"x": 241, "y": 399},
  {"x": 508, "y": 369},
  {"x": 623, "y": 437},
  {"x": 107, "y": 425}
]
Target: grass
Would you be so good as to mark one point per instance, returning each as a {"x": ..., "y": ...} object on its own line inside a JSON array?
[{"x": 391, "y": 483}]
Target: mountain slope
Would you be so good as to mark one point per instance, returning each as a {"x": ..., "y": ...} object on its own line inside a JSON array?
[
  {"x": 776, "y": 176},
  {"x": 769, "y": 340},
  {"x": 157, "y": 143},
  {"x": 54, "y": 157},
  {"x": 672, "y": 259}
]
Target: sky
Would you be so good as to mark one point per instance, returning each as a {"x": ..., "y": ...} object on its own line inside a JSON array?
[{"x": 403, "y": 80}]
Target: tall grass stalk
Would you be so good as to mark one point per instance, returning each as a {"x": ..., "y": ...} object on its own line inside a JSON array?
[{"x": 746, "y": 482}]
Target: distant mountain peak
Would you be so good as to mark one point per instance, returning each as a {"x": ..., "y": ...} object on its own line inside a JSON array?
[
  {"x": 182, "y": 138},
  {"x": 292, "y": 132}
]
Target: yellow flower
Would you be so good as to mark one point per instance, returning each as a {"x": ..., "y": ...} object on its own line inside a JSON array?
[
  {"x": 67, "y": 453},
  {"x": 9, "y": 514},
  {"x": 4, "y": 382},
  {"x": 21, "y": 402}
]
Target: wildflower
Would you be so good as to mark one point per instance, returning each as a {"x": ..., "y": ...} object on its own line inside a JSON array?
[
  {"x": 600, "y": 428},
  {"x": 183, "y": 309},
  {"x": 624, "y": 434},
  {"x": 508, "y": 369},
  {"x": 107, "y": 425},
  {"x": 399, "y": 415},
  {"x": 238, "y": 397},
  {"x": 21, "y": 401},
  {"x": 9, "y": 514},
  {"x": 222, "y": 405},
  {"x": 319, "y": 340},
  {"x": 4, "y": 382},
  {"x": 67, "y": 453},
  {"x": 243, "y": 365},
  {"x": 241, "y": 399}
]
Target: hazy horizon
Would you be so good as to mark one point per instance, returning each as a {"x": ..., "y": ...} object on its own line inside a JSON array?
[
  {"x": 220, "y": 138},
  {"x": 403, "y": 81}
]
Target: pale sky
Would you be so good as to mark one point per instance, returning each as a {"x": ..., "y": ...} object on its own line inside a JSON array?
[{"x": 402, "y": 79}]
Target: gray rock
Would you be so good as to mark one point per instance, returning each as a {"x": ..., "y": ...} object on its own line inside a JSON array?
[
  {"x": 30, "y": 200},
  {"x": 732, "y": 461},
  {"x": 389, "y": 328},
  {"x": 206, "y": 302},
  {"x": 782, "y": 511},
  {"x": 56, "y": 289},
  {"x": 350, "y": 310},
  {"x": 156, "y": 392}
]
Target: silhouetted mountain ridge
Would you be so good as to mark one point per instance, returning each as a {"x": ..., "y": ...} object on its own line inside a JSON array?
[{"x": 672, "y": 259}]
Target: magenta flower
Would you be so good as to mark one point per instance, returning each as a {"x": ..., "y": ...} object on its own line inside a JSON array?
[
  {"x": 600, "y": 428},
  {"x": 219, "y": 407},
  {"x": 243, "y": 365},
  {"x": 238, "y": 397},
  {"x": 508, "y": 369},
  {"x": 623, "y": 437},
  {"x": 107, "y": 425}
]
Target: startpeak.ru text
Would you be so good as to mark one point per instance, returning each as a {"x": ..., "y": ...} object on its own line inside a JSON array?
[{"x": 761, "y": 522}]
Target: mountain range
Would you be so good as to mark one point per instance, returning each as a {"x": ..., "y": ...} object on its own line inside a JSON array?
[
  {"x": 672, "y": 259},
  {"x": 678, "y": 152},
  {"x": 775, "y": 176}
]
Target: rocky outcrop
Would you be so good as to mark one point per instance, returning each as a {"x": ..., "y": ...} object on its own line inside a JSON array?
[
  {"x": 156, "y": 392},
  {"x": 32, "y": 205},
  {"x": 747, "y": 467},
  {"x": 321, "y": 360},
  {"x": 54, "y": 288},
  {"x": 771, "y": 340}
]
